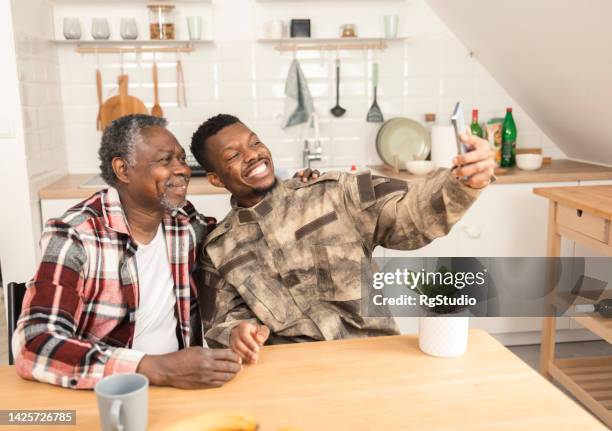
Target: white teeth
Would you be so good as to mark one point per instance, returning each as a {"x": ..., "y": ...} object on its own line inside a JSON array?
[{"x": 258, "y": 170}]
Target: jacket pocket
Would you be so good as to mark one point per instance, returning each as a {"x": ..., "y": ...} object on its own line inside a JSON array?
[
  {"x": 339, "y": 271},
  {"x": 265, "y": 298}
]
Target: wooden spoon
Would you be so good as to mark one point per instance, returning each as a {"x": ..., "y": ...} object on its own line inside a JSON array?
[
  {"x": 99, "y": 92},
  {"x": 156, "y": 110}
]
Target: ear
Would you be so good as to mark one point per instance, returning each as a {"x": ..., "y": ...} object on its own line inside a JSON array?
[
  {"x": 215, "y": 180},
  {"x": 120, "y": 167}
]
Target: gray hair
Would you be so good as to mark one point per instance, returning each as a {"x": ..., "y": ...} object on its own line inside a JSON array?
[{"x": 119, "y": 139}]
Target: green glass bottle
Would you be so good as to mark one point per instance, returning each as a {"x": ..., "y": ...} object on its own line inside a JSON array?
[
  {"x": 475, "y": 127},
  {"x": 508, "y": 156}
]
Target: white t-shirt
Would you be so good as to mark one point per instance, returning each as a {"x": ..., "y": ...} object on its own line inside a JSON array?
[{"x": 155, "y": 331}]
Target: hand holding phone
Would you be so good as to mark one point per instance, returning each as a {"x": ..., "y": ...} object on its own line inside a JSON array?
[{"x": 460, "y": 126}]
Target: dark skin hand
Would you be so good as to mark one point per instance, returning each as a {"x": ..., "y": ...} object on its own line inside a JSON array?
[
  {"x": 307, "y": 174},
  {"x": 246, "y": 340},
  {"x": 191, "y": 368}
]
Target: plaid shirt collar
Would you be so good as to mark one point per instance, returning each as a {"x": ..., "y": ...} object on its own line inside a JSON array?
[{"x": 114, "y": 216}]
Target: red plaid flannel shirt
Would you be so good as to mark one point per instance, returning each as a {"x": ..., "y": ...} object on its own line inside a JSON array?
[{"x": 78, "y": 315}]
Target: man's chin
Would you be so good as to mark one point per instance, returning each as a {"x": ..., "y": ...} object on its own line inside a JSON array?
[
  {"x": 264, "y": 188},
  {"x": 173, "y": 203}
]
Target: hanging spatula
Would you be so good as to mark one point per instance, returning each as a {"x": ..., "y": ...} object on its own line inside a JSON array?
[
  {"x": 156, "y": 110},
  {"x": 375, "y": 114}
]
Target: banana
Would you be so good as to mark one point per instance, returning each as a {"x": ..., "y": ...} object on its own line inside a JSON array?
[{"x": 215, "y": 421}]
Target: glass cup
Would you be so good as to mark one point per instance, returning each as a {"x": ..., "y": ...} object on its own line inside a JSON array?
[
  {"x": 72, "y": 28},
  {"x": 128, "y": 29},
  {"x": 390, "y": 24},
  {"x": 100, "y": 29},
  {"x": 194, "y": 25}
]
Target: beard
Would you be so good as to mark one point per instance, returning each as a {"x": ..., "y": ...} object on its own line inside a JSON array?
[
  {"x": 169, "y": 203},
  {"x": 261, "y": 191}
]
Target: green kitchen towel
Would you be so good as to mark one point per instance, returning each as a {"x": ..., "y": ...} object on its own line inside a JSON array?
[{"x": 298, "y": 105}]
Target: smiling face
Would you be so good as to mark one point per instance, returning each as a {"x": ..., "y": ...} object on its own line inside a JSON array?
[
  {"x": 242, "y": 163},
  {"x": 159, "y": 176}
]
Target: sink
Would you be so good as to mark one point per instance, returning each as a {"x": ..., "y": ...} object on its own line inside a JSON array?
[{"x": 95, "y": 182}]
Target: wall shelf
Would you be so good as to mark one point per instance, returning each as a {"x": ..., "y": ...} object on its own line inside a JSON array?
[
  {"x": 137, "y": 46},
  {"x": 330, "y": 44}
]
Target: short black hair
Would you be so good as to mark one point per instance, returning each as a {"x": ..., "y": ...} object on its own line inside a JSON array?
[
  {"x": 209, "y": 128},
  {"x": 118, "y": 140}
]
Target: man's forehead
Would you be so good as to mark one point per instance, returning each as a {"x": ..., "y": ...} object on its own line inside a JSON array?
[
  {"x": 157, "y": 138},
  {"x": 232, "y": 135}
]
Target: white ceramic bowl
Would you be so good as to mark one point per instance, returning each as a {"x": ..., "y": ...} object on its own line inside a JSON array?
[
  {"x": 529, "y": 162},
  {"x": 420, "y": 167}
]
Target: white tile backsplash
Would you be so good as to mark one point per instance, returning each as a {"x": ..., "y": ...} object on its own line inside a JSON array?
[{"x": 428, "y": 72}]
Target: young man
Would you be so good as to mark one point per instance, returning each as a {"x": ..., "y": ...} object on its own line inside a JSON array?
[
  {"x": 287, "y": 258},
  {"x": 114, "y": 292}
]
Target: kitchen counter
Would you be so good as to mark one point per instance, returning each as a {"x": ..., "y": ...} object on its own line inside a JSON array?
[{"x": 558, "y": 171}]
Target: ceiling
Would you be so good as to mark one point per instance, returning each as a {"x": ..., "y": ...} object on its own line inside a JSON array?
[{"x": 554, "y": 57}]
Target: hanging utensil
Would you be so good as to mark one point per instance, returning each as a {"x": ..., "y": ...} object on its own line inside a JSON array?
[
  {"x": 337, "y": 111},
  {"x": 181, "y": 96},
  {"x": 156, "y": 110},
  {"x": 375, "y": 114},
  {"x": 99, "y": 92},
  {"x": 121, "y": 105}
]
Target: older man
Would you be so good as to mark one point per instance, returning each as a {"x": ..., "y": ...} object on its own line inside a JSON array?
[
  {"x": 287, "y": 258},
  {"x": 114, "y": 291}
]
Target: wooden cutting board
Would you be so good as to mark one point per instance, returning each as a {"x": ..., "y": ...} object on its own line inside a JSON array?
[{"x": 121, "y": 105}]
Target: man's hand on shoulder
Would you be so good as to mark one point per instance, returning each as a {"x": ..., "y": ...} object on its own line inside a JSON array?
[
  {"x": 307, "y": 174},
  {"x": 478, "y": 165},
  {"x": 191, "y": 368},
  {"x": 247, "y": 338}
]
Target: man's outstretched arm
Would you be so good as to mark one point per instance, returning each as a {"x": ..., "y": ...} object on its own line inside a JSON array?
[{"x": 399, "y": 215}]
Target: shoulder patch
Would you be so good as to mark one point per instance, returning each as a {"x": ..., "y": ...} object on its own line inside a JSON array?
[
  {"x": 223, "y": 226},
  {"x": 296, "y": 183},
  {"x": 388, "y": 186}
]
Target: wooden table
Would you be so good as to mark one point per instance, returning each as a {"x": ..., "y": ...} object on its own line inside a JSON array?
[
  {"x": 582, "y": 214},
  {"x": 383, "y": 383}
]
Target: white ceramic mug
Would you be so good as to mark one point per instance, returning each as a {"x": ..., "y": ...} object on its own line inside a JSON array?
[{"x": 123, "y": 402}]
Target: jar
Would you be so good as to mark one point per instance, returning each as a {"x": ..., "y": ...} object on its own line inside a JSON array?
[
  {"x": 161, "y": 22},
  {"x": 348, "y": 30}
]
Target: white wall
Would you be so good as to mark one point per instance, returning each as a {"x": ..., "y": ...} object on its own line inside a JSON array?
[
  {"x": 238, "y": 75},
  {"x": 41, "y": 103},
  {"x": 553, "y": 56},
  {"x": 33, "y": 152},
  {"x": 17, "y": 255}
]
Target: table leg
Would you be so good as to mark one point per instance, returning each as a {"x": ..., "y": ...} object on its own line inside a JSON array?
[{"x": 553, "y": 249}]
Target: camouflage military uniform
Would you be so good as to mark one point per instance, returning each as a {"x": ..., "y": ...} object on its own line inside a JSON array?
[{"x": 293, "y": 261}]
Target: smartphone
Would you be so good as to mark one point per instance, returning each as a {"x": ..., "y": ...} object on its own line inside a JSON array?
[{"x": 458, "y": 122}]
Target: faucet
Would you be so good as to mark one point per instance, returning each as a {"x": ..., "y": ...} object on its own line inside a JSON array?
[{"x": 312, "y": 154}]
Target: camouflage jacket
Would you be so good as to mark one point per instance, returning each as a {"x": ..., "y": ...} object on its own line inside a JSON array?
[{"x": 293, "y": 261}]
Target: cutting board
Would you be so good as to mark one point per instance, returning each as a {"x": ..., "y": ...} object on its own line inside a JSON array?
[{"x": 121, "y": 105}]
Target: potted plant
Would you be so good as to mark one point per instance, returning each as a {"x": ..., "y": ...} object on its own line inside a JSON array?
[{"x": 442, "y": 332}]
